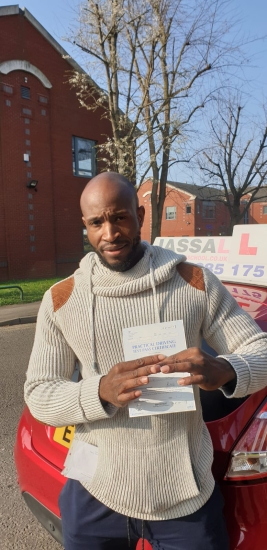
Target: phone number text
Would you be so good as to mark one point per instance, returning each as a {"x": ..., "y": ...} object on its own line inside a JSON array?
[{"x": 241, "y": 270}]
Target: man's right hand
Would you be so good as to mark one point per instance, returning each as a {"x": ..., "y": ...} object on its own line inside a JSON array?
[{"x": 119, "y": 386}]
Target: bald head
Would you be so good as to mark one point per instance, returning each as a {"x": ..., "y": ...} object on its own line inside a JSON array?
[
  {"x": 113, "y": 220},
  {"x": 110, "y": 181}
]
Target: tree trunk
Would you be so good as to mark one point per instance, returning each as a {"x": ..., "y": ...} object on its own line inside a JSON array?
[
  {"x": 236, "y": 217},
  {"x": 156, "y": 220},
  {"x": 156, "y": 228}
]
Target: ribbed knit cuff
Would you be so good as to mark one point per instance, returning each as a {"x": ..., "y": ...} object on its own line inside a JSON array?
[
  {"x": 242, "y": 371},
  {"x": 91, "y": 403}
]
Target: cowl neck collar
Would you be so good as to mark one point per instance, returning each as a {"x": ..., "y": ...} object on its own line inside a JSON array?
[{"x": 157, "y": 264}]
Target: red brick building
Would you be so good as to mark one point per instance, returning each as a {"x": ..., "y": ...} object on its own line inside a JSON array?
[
  {"x": 45, "y": 137},
  {"x": 258, "y": 209},
  {"x": 188, "y": 210}
]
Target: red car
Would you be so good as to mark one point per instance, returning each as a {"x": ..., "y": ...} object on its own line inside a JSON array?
[{"x": 238, "y": 428}]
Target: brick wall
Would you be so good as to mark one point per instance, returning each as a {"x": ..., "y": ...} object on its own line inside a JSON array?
[
  {"x": 40, "y": 232},
  {"x": 186, "y": 223},
  {"x": 258, "y": 212}
]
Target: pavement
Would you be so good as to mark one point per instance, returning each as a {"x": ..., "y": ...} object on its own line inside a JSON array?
[{"x": 19, "y": 314}]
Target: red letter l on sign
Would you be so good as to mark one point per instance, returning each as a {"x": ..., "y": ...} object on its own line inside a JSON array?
[{"x": 244, "y": 248}]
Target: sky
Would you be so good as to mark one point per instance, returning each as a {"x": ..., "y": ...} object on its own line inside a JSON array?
[
  {"x": 56, "y": 16},
  {"x": 59, "y": 16}
]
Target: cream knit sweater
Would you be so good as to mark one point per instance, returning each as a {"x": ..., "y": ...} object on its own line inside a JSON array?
[{"x": 153, "y": 467}]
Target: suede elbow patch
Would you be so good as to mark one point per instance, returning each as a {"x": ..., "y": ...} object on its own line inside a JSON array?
[
  {"x": 192, "y": 274},
  {"x": 61, "y": 292}
]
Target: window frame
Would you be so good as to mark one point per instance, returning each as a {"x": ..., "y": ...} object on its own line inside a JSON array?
[
  {"x": 246, "y": 217},
  {"x": 7, "y": 89},
  {"x": 75, "y": 159},
  {"x": 166, "y": 213},
  {"x": 208, "y": 206},
  {"x": 24, "y": 96},
  {"x": 43, "y": 100}
]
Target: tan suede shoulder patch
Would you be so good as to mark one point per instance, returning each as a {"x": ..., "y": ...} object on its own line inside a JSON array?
[
  {"x": 192, "y": 274},
  {"x": 61, "y": 292}
]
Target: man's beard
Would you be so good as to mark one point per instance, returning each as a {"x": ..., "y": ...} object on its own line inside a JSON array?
[{"x": 133, "y": 257}]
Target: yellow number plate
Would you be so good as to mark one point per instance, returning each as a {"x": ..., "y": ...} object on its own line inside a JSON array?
[{"x": 64, "y": 435}]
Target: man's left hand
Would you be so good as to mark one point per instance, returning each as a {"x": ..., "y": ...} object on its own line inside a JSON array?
[{"x": 209, "y": 373}]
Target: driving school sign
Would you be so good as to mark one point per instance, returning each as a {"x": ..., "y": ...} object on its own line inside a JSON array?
[
  {"x": 198, "y": 248},
  {"x": 241, "y": 257},
  {"x": 210, "y": 252}
]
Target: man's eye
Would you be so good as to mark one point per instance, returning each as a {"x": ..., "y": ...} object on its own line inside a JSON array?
[{"x": 95, "y": 223}]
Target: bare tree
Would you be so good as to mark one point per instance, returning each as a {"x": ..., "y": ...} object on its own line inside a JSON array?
[
  {"x": 235, "y": 164},
  {"x": 150, "y": 60}
]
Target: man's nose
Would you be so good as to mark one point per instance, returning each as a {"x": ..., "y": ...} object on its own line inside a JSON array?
[{"x": 110, "y": 232}]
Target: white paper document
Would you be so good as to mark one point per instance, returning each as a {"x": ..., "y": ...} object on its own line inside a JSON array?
[
  {"x": 162, "y": 395},
  {"x": 81, "y": 461}
]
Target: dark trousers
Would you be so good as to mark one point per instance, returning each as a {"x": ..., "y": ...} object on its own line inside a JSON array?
[{"x": 89, "y": 525}]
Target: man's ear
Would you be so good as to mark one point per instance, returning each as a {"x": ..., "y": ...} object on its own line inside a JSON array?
[
  {"x": 141, "y": 215},
  {"x": 84, "y": 222}
]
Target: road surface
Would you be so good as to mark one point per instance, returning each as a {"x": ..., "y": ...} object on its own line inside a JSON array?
[{"x": 18, "y": 527}]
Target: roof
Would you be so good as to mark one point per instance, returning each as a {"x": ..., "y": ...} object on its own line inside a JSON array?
[
  {"x": 202, "y": 192},
  {"x": 16, "y": 10},
  {"x": 261, "y": 194}
]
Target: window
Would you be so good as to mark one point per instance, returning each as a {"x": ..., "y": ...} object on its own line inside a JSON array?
[
  {"x": 43, "y": 99},
  {"x": 208, "y": 210},
  {"x": 25, "y": 92},
  {"x": 245, "y": 220},
  {"x": 264, "y": 210},
  {"x": 188, "y": 209},
  {"x": 83, "y": 157},
  {"x": 7, "y": 89},
  {"x": 170, "y": 212},
  {"x": 26, "y": 111}
]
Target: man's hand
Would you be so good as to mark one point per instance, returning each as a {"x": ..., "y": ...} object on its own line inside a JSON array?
[
  {"x": 209, "y": 373},
  {"x": 119, "y": 385}
]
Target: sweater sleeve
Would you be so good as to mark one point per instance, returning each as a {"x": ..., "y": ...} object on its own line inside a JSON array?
[
  {"x": 51, "y": 395},
  {"x": 236, "y": 337}
]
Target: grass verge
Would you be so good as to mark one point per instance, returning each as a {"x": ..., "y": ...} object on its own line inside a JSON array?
[{"x": 33, "y": 291}]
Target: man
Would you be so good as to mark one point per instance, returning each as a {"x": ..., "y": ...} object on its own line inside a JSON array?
[{"x": 153, "y": 474}]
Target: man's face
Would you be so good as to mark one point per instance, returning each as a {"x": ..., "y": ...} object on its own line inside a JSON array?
[{"x": 113, "y": 222}]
